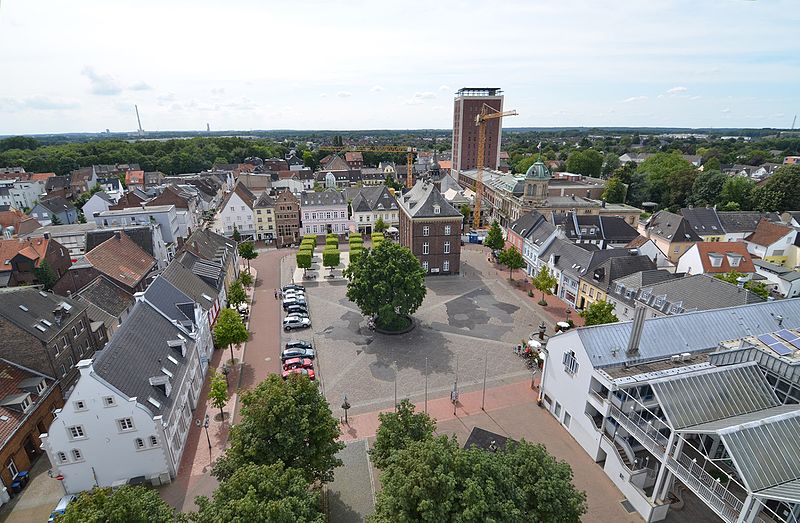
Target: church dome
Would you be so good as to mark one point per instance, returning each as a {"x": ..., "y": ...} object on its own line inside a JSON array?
[{"x": 538, "y": 171}]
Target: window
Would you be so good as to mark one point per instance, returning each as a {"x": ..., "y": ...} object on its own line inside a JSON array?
[
  {"x": 12, "y": 468},
  {"x": 558, "y": 410},
  {"x": 447, "y": 247},
  {"x": 426, "y": 231},
  {"x": 108, "y": 401},
  {"x": 79, "y": 405},
  {"x": 125, "y": 424},
  {"x": 61, "y": 457},
  {"x": 426, "y": 248},
  {"x": 153, "y": 441},
  {"x": 567, "y": 419},
  {"x": 63, "y": 370},
  {"x": 447, "y": 229},
  {"x": 570, "y": 363},
  {"x": 446, "y": 266},
  {"x": 425, "y": 266},
  {"x": 76, "y": 432},
  {"x": 77, "y": 455},
  {"x": 138, "y": 443}
]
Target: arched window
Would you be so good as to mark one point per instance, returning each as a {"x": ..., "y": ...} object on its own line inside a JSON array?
[
  {"x": 153, "y": 441},
  {"x": 77, "y": 455},
  {"x": 138, "y": 443},
  {"x": 62, "y": 457}
]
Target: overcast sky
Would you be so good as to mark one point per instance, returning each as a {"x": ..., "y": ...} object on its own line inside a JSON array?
[{"x": 81, "y": 65}]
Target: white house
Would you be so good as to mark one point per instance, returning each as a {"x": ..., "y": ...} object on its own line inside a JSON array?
[
  {"x": 236, "y": 213},
  {"x": 131, "y": 410},
  {"x": 163, "y": 215},
  {"x": 372, "y": 203},
  {"x": 99, "y": 202},
  {"x": 780, "y": 280},
  {"x": 665, "y": 400}
]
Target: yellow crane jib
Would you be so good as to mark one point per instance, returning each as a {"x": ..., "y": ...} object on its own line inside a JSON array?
[{"x": 487, "y": 113}]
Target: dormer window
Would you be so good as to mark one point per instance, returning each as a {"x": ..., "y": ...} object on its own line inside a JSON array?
[
  {"x": 437, "y": 209},
  {"x": 734, "y": 260},
  {"x": 716, "y": 259}
]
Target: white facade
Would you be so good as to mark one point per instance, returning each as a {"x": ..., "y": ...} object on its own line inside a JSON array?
[
  {"x": 236, "y": 214},
  {"x": 651, "y": 250},
  {"x": 164, "y": 215},
  {"x": 95, "y": 204},
  {"x": 22, "y": 194}
]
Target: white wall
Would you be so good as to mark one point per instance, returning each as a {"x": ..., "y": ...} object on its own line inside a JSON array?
[
  {"x": 690, "y": 262},
  {"x": 236, "y": 213},
  {"x": 95, "y": 204}
]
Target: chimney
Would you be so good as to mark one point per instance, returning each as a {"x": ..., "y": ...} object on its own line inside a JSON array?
[
  {"x": 117, "y": 235},
  {"x": 636, "y": 332},
  {"x": 603, "y": 203},
  {"x": 46, "y": 236}
]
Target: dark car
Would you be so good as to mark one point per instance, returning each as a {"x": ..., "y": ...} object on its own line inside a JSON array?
[
  {"x": 301, "y": 371},
  {"x": 293, "y": 287},
  {"x": 298, "y": 352},
  {"x": 294, "y": 301},
  {"x": 297, "y": 309},
  {"x": 296, "y": 363},
  {"x": 299, "y": 344}
]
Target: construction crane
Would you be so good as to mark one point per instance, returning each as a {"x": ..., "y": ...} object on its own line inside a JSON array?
[
  {"x": 141, "y": 131},
  {"x": 487, "y": 113},
  {"x": 379, "y": 149}
]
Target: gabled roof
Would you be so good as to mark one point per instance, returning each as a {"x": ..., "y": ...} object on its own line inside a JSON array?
[
  {"x": 128, "y": 200},
  {"x": 336, "y": 164},
  {"x": 264, "y": 201},
  {"x": 604, "y": 274},
  {"x": 171, "y": 196},
  {"x": 697, "y": 292},
  {"x": 637, "y": 242},
  {"x": 672, "y": 227},
  {"x": 370, "y": 199},
  {"x": 353, "y": 157},
  {"x": 242, "y": 192},
  {"x": 136, "y": 355},
  {"x": 422, "y": 200},
  {"x": 568, "y": 257},
  {"x": 723, "y": 252},
  {"x": 19, "y": 382},
  {"x": 142, "y": 235},
  {"x": 26, "y": 307},
  {"x": 743, "y": 221},
  {"x": 33, "y": 249},
  {"x": 57, "y": 205},
  {"x": 325, "y": 198},
  {"x": 703, "y": 220},
  {"x": 134, "y": 178},
  {"x": 171, "y": 302},
  {"x": 122, "y": 260},
  {"x": 190, "y": 283},
  {"x": 526, "y": 223},
  {"x": 767, "y": 233},
  {"x": 21, "y": 222},
  {"x": 56, "y": 182},
  {"x": 103, "y": 293},
  {"x": 208, "y": 245}
]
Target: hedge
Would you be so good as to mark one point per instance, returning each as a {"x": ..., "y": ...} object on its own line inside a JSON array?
[
  {"x": 331, "y": 258},
  {"x": 304, "y": 259}
]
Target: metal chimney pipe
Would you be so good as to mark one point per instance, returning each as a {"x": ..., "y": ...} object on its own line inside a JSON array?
[{"x": 636, "y": 331}]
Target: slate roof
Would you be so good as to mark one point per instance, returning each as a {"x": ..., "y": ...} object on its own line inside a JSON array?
[
  {"x": 569, "y": 258},
  {"x": 672, "y": 227},
  {"x": 57, "y": 204},
  {"x": 106, "y": 295},
  {"x": 122, "y": 260},
  {"x": 127, "y": 201},
  {"x": 190, "y": 284},
  {"x": 784, "y": 273},
  {"x": 703, "y": 220},
  {"x": 419, "y": 202},
  {"x": 373, "y": 199},
  {"x": 243, "y": 192},
  {"x": 171, "y": 302},
  {"x": 743, "y": 221},
  {"x": 695, "y": 293},
  {"x": 211, "y": 272},
  {"x": 767, "y": 233},
  {"x": 16, "y": 381},
  {"x": 56, "y": 182},
  {"x": 38, "y": 305},
  {"x": 326, "y": 198},
  {"x": 142, "y": 235},
  {"x": 604, "y": 274},
  {"x": 721, "y": 251},
  {"x": 264, "y": 201},
  {"x": 526, "y": 223},
  {"x": 209, "y": 245},
  {"x": 594, "y": 227},
  {"x": 134, "y": 355}
]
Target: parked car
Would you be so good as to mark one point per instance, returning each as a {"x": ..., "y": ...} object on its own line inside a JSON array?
[
  {"x": 294, "y": 296},
  {"x": 294, "y": 309},
  {"x": 61, "y": 508},
  {"x": 301, "y": 371},
  {"x": 293, "y": 301},
  {"x": 295, "y": 363},
  {"x": 298, "y": 352},
  {"x": 293, "y": 287},
  {"x": 296, "y": 322},
  {"x": 299, "y": 344}
]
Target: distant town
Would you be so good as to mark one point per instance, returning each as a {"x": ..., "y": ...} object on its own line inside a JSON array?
[{"x": 184, "y": 316}]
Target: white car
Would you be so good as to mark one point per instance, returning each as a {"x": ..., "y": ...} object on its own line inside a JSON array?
[
  {"x": 296, "y": 322},
  {"x": 293, "y": 294}
]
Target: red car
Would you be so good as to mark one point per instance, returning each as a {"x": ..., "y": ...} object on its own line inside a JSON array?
[
  {"x": 296, "y": 363},
  {"x": 299, "y": 370}
]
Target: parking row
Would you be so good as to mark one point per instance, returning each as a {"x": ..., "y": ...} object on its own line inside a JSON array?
[
  {"x": 297, "y": 356},
  {"x": 295, "y": 307}
]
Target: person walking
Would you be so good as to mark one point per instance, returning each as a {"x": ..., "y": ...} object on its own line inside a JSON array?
[{"x": 276, "y": 294}]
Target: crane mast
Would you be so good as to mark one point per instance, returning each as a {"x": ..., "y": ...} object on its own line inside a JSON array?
[{"x": 485, "y": 115}]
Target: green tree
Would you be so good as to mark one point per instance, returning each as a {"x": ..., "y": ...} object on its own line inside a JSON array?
[
  {"x": 261, "y": 493},
  {"x": 248, "y": 251},
  {"x": 331, "y": 258},
  {"x": 494, "y": 238},
  {"x": 712, "y": 164},
  {"x": 755, "y": 287},
  {"x": 121, "y": 505},
  {"x": 524, "y": 164},
  {"x": 303, "y": 259},
  {"x": 466, "y": 212},
  {"x": 246, "y": 279},
  {"x": 610, "y": 164},
  {"x": 236, "y": 236},
  {"x": 737, "y": 190},
  {"x": 229, "y": 330},
  {"x": 781, "y": 191},
  {"x": 707, "y": 188},
  {"x": 380, "y": 225},
  {"x": 387, "y": 282},
  {"x": 587, "y": 163},
  {"x": 55, "y": 220},
  {"x": 669, "y": 178},
  {"x": 598, "y": 313},
  {"x": 18, "y": 142},
  {"x": 615, "y": 190},
  {"x": 286, "y": 421},
  {"x": 392, "y": 183},
  {"x": 544, "y": 281},
  {"x": 45, "y": 275},
  {"x": 218, "y": 392},
  {"x": 397, "y": 430},
  {"x": 236, "y": 293},
  {"x": 512, "y": 259},
  {"x": 310, "y": 160}
]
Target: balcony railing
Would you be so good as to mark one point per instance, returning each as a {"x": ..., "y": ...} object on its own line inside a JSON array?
[
  {"x": 725, "y": 504},
  {"x": 643, "y": 431}
]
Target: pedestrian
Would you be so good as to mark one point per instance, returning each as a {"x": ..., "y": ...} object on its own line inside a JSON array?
[{"x": 276, "y": 294}]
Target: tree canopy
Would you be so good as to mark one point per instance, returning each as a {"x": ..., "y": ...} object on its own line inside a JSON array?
[
  {"x": 287, "y": 421},
  {"x": 544, "y": 281},
  {"x": 587, "y": 163},
  {"x": 781, "y": 191},
  {"x": 248, "y": 251},
  {"x": 494, "y": 238},
  {"x": 398, "y": 430},
  {"x": 512, "y": 259},
  {"x": 756, "y": 287},
  {"x": 598, "y": 313},
  {"x": 387, "y": 282},
  {"x": 615, "y": 190},
  {"x": 261, "y": 493},
  {"x": 229, "y": 329},
  {"x": 122, "y": 505}
]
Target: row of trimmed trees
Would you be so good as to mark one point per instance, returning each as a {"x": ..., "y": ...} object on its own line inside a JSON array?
[{"x": 331, "y": 257}]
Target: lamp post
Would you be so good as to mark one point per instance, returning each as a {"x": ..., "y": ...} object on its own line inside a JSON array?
[
  {"x": 542, "y": 328},
  {"x": 426, "y": 384},
  {"x": 568, "y": 312},
  {"x": 395, "y": 386},
  {"x": 205, "y": 426},
  {"x": 345, "y": 408}
]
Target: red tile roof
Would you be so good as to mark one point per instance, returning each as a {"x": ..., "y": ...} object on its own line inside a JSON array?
[
  {"x": 11, "y": 378},
  {"x": 41, "y": 177},
  {"x": 33, "y": 249},
  {"x": 134, "y": 178},
  {"x": 122, "y": 260},
  {"x": 706, "y": 249},
  {"x": 767, "y": 233},
  {"x": 21, "y": 222}
]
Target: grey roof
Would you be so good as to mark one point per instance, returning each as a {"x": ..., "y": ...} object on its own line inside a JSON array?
[
  {"x": 691, "y": 332},
  {"x": 448, "y": 182},
  {"x": 645, "y": 278},
  {"x": 713, "y": 395},
  {"x": 135, "y": 355},
  {"x": 210, "y": 246},
  {"x": 325, "y": 198},
  {"x": 141, "y": 235},
  {"x": 170, "y": 301},
  {"x": 743, "y": 221},
  {"x": 106, "y": 295},
  {"x": 703, "y": 220},
  {"x": 672, "y": 227},
  {"x": 784, "y": 273},
  {"x": 594, "y": 227},
  {"x": 26, "y": 307},
  {"x": 370, "y": 199},
  {"x": 568, "y": 257},
  {"x": 604, "y": 274},
  {"x": 211, "y": 272},
  {"x": 57, "y": 204},
  {"x": 103, "y": 196},
  {"x": 190, "y": 284},
  {"x": 697, "y": 292},
  {"x": 421, "y": 200},
  {"x": 265, "y": 200},
  {"x": 526, "y": 223}
]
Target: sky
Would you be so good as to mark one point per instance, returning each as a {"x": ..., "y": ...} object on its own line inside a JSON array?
[{"x": 81, "y": 66}]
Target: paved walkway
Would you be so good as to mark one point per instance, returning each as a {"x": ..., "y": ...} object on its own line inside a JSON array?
[{"x": 37, "y": 500}]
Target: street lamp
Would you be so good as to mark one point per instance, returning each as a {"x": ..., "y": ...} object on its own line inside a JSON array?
[
  {"x": 542, "y": 328},
  {"x": 568, "y": 312},
  {"x": 345, "y": 408},
  {"x": 205, "y": 426},
  {"x": 225, "y": 372}
]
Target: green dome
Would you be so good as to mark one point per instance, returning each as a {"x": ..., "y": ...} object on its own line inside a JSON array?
[{"x": 538, "y": 171}]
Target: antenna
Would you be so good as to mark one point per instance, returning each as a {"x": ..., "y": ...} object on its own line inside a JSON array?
[
  {"x": 208, "y": 127},
  {"x": 141, "y": 131},
  {"x": 794, "y": 122}
]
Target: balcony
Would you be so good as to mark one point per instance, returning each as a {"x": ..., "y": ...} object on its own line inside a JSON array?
[
  {"x": 642, "y": 430},
  {"x": 705, "y": 486}
]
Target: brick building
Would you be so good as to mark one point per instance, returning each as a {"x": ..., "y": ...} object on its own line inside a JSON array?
[
  {"x": 20, "y": 259},
  {"x": 431, "y": 228},
  {"x": 467, "y": 105},
  {"x": 287, "y": 218}
]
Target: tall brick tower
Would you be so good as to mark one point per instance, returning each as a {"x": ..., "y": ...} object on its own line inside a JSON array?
[{"x": 467, "y": 105}]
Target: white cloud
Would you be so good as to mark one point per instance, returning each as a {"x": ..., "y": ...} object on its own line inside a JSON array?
[
  {"x": 726, "y": 110},
  {"x": 344, "y": 94},
  {"x": 376, "y": 88},
  {"x": 427, "y": 95},
  {"x": 140, "y": 86},
  {"x": 37, "y": 103},
  {"x": 414, "y": 101},
  {"x": 677, "y": 90},
  {"x": 634, "y": 99},
  {"x": 696, "y": 97},
  {"x": 101, "y": 84},
  {"x": 444, "y": 88},
  {"x": 218, "y": 91}
]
